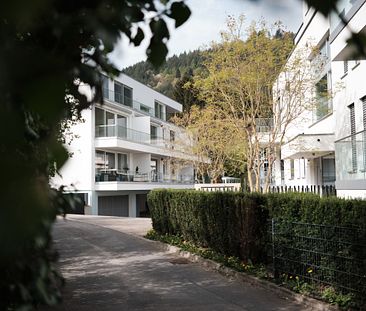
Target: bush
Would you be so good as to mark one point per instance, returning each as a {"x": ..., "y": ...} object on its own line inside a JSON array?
[
  {"x": 233, "y": 224},
  {"x": 326, "y": 235}
]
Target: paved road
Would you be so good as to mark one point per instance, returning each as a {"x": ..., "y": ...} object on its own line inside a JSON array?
[{"x": 109, "y": 266}]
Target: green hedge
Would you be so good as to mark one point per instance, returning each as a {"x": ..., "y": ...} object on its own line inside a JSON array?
[
  {"x": 232, "y": 224},
  {"x": 326, "y": 236},
  {"x": 310, "y": 208}
]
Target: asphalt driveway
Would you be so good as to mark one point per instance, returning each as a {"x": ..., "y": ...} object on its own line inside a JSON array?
[{"x": 109, "y": 266}]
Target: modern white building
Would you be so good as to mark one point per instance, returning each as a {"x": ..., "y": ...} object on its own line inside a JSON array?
[
  {"x": 326, "y": 146},
  {"x": 124, "y": 148}
]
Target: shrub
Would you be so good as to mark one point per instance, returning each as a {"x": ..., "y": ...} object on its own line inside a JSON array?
[{"x": 233, "y": 224}]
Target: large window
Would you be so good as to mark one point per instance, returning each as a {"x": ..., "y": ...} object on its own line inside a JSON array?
[
  {"x": 105, "y": 124},
  {"x": 122, "y": 162},
  {"x": 159, "y": 110},
  {"x": 153, "y": 132},
  {"x": 322, "y": 98},
  {"x": 122, "y": 94},
  {"x": 107, "y": 161}
]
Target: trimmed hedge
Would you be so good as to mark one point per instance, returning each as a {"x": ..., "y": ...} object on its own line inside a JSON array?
[
  {"x": 310, "y": 208},
  {"x": 224, "y": 220},
  {"x": 233, "y": 224}
]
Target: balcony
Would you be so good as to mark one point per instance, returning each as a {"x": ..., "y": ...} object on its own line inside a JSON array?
[
  {"x": 113, "y": 175},
  {"x": 351, "y": 157},
  {"x": 119, "y": 98},
  {"x": 124, "y": 133},
  {"x": 308, "y": 146}
]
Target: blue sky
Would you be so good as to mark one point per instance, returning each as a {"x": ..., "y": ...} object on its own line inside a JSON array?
[{"x": 208, "y": 19}]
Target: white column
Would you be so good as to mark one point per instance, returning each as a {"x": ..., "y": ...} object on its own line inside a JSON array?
[
  {"x": 93, "y": 203},
  {"x": 132, "y": 205}
]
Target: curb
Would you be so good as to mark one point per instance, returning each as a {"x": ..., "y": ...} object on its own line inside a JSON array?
[{"x": 211, "y": 265}]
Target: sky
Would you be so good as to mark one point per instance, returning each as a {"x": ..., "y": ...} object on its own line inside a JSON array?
[{"x": 207, "y": 20}]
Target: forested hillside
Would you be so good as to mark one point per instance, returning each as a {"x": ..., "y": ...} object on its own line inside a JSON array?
[{"x": 171, "y": 76}]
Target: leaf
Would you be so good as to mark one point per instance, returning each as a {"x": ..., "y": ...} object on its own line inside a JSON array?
[
  {"x": 156, "y": 52},
  {"x": 180, "y": 12},
  {"x": 159, "y": 29},
  {"x": 138, "y": 37}
]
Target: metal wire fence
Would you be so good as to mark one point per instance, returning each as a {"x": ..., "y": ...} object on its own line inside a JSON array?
[{"x": 320, "y": 254}]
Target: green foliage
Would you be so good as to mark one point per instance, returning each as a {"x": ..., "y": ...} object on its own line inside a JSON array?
[
  {"x": 49, "y": 48},
  {"x": 330, "y": 295},
  {"x": 171, "y": 77},
  {"x": 232, "y": 224}
]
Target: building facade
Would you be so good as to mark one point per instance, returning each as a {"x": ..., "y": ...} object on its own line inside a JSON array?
[
  {"x": 125, "y": 147},
  {"x": 326, "y": 145}
]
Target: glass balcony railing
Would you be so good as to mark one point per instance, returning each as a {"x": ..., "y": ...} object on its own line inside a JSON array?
[
  {"x": 111, "y": 175},
  {"x": 132, "y": 135},
  {"x": 351, "y": 157}
]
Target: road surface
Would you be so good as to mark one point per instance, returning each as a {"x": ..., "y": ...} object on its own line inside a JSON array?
[{"x": 109, "y": 266}]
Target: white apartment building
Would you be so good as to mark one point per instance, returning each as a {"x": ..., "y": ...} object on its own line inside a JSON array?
[
  {"x": 124, "y": 148},
  {"x": 326, "y": 146}
]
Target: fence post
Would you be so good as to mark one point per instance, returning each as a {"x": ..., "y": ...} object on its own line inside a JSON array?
[{"x": 275, "y": 272}]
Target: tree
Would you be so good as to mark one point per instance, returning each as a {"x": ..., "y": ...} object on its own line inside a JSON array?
[
  {"x": 48, "y": 48},
  {"x": 240, "y": 83},
  {"x": 212, "y": 140}
]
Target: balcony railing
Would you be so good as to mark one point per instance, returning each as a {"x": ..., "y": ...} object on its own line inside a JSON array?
[
  {"x": 113, "y": 175},
  {"x": 351, "y": 157},
  {"x": 131, "y": 135},
  {"x": 119, "y": 98}
]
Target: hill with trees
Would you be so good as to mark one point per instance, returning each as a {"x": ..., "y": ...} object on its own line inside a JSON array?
[{"x": 170, "y": 78}]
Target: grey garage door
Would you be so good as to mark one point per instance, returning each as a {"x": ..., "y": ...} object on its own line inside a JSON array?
[{"x": 113, "y": 205}]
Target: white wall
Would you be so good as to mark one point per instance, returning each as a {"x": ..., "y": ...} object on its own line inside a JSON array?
[
  {"x": 144, "y": 94},
  {"x": 78, "y": 170},
  {"x": 142, "y": 160},
  {"x": 141, "y": 124}
]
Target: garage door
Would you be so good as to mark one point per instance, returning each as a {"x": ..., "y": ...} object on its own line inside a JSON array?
[{"x": 113, "y": 205}]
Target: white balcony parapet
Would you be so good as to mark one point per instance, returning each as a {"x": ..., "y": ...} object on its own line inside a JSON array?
[{"x": 114, "y": 175}]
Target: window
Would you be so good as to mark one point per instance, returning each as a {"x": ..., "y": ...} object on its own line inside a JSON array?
[
  {"x": 292, "y": 169},
  {"x": 122, "y": 94},
  {"x": 108, "y": 124},
  {"x": 153, "y": 132},
  {"x": 172, "y": 139},
  {"x": 100, "y": 128},
  {"x": 122, "y": 162},
  {"x": 172, "y": 136},
  {"x": 328, "y": 170},
  {"x": 353, "y": 137},
  {"x": 282, "y": 164},
  {"x": 99, "y": 161},
  {"x": 159, "y": 110},
  {"x": 321, "y": 89},
  {"x": 122, "y": 126},
  {"x": 144, "y": 108}
]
